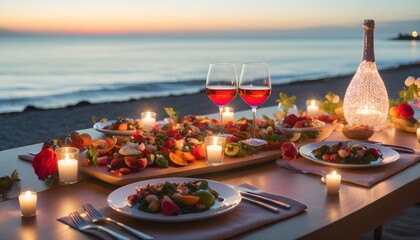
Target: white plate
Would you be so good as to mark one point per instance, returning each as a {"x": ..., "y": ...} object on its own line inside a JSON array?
[
  {"x": 318, "y": 126},
  {"x": 117, "y": 201},
  {"x": 389, "y": 155},
  {"x": 99, "y": 126}
]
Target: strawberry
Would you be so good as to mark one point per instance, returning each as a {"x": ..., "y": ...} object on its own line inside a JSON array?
[
  {"x": 170, "y": 143},
  {"x": 374, "y": 152},
  {"x": 103, "y": 161},
  {"x": 290, "y": 119},
  {"x": 172, "y": 133},
  {"x": 406, "y": 110}
]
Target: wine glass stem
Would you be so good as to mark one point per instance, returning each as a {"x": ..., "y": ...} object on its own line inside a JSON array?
[
  {"x": 254, "y": 113},
  {"x": 221, "y": 119}
]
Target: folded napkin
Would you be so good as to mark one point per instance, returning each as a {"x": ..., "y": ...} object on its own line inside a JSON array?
[
  {"x": 245, "y": 217},
  {"x": 364, "y": 176}
]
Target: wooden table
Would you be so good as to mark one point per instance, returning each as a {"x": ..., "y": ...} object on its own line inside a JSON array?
[{"x": 356, "y": 211}]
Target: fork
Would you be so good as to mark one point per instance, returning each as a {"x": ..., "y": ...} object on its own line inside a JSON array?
[
  {"x": 82, "y": 224},
  {"x": 96, "y": 216}
]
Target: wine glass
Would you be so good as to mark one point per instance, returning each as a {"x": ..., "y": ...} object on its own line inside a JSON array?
[
  {"x": 254, "y": 89},
  {"x": 221, "y": 86}
]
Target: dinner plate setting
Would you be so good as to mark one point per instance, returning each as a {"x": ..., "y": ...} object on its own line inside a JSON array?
[
  {"x": 389, "y": 155},
  {"x": 230, "y": 198}
]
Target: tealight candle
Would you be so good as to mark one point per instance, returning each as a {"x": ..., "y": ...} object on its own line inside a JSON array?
[
  {"x": 27, "y": 203},
  {"x": 333, "y": 181},
  {"x": 418, "y": 134},
  {"x": 149, "y": 120},
  {"x": 67, "y": 160},
  {"x": 228, "y": 115},
  {"x": 215, "y": 150},
  {"x": 312, "y": 107}
]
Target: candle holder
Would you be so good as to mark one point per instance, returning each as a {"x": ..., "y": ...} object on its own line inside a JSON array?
[
  {"x": 149, "y": 120},
  {"x": 228, "y": 115},
  {"x": 312, "y": 107},
  {"x": 418, "y": 134},
  {"x": 67, "y": 160},
  {"x": 215, "y": 150},
  {"x": 27, "y": 203},
  {"x": 333, "y": 182}
]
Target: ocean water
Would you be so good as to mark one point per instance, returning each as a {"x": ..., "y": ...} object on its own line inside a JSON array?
[{"x": 50, "y": 72}]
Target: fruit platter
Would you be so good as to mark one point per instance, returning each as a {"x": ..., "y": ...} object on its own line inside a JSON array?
[
  {"x": 121, "y": 126},
  {"x": 175, "y": 148},
  {"x": 299, "y": 128}
]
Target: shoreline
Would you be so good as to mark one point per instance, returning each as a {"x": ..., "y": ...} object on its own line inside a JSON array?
[{"x": 35, "y": 125}]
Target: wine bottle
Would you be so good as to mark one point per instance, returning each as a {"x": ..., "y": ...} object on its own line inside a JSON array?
[{"x": 366, "y": 98}]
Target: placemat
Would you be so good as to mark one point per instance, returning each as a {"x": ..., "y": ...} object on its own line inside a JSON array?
[
  {"x": 245, "y": 217},
  {"x": 365, "y": 176}
]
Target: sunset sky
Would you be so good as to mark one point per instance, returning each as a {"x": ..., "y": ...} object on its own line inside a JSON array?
[{"x": 175, "y": 16}]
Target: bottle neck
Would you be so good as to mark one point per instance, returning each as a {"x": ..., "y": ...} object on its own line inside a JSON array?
[{"x": 368, "y": 53}]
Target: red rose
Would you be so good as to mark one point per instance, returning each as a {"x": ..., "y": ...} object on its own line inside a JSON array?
[
  {"x": 289, "y": 151},
  {"x": 406, "y": 110},
  {"x": 45, "y": 163},
  {"x": 290, "y": 119}
]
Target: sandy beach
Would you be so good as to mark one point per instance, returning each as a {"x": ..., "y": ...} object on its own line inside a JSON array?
[{"x": 35, "y": 125}]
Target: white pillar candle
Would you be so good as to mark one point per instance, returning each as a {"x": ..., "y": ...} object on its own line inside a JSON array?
[
  {"x": 333, "y": 181},
  {"x": 214, "y": 150},
  {"x": 149, "y": 120},
  {"x": 67, "y": 170},
  {"x": 67, "y": 161},
  {"x": 227, "y": 115},
  {"x": 27, "y": 203},
  {"x": 312, "y": 108}
]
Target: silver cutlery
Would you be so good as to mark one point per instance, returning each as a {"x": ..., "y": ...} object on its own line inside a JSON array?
[
  {"x": 261, "y": 204},
  {"x": 96, "y": 216},
  {"x": 257, "y": 194},
  {"x": 82, "y": 224},
  {"x": 293, "y": 169}
]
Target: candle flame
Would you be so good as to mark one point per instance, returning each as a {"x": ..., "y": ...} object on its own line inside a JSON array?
[
  {"x": 227, "y": 110},
  {"x": 334, "y": 173},
  {"x": 215, "y": 141},
  {"x": 67, "y": 156},
  {"x": 148, "y": 115},
  {"x": 313, "y": 103},
  {"x": 27, "y": 194}
]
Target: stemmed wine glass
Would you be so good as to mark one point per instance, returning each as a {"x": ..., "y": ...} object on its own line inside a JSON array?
[
  {"x": 254, "y": 89},
  {"x": 221, "y": 86}
]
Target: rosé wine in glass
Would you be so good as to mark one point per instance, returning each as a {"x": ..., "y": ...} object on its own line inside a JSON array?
[
  {"x": 221, "y": 86},
  {"x": 221, "y": 95},
  {"x": 254, "y": 89}
]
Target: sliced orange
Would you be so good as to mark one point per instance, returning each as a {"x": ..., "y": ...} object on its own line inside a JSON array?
[
  {"x": 187, "y": 199},
  {"x": 187, "y": 156},
  {"x": 178, "y": 152},
  {"x": 177, "y": 160}
]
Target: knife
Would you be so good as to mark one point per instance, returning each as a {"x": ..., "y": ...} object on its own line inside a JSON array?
[
  {"x": 261, "y": 204},
  {"x": 398, "y": 148},
  {"x": 257, "y": 194},
  {"x": 268, "y": 200}
]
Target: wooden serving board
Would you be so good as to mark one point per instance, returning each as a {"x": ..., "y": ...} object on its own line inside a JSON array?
[{"x": 196, "y": 168}]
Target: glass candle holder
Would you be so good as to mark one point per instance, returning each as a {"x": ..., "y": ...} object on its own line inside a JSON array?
[
  {"x": 27, "y": 203},
  {"x": 228, "y": 115},
  {"x": 67, "y": 160},
  {"x": 215, "y": 150},
  {"x": 312, "y": 107},
  {"x": 149, "y": 120}
]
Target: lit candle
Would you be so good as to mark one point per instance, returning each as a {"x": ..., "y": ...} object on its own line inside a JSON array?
[
  {"x": 228, "y": 115},
  {"x": 312, "y": 108},
  {"x": 214, "y": 150},
  {"x": 333, "y": 181},
  {"x": 27, "y": 203},
  {"x": 67, "y": 164},
  {"x": 149, "y": 120},
  {"x": 67, "y": 170},
  {"x": 418, "y": 134}
]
